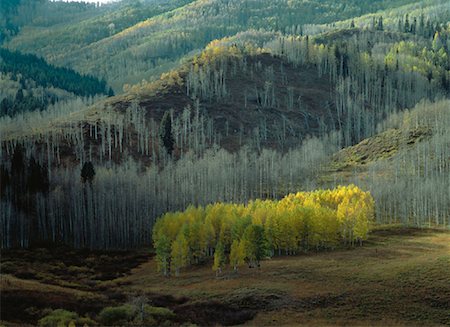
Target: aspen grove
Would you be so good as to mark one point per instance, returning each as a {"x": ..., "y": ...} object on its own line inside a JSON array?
[{"x": 237, "y": 233}]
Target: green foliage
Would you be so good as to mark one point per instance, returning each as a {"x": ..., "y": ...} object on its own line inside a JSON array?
[
  {"x": 129, "y": 314},
  {"x": 169, "y": 30},
  {"x": 32, "y": 67},
  {"x": 64, "y": 318},
  {"x": 159, "y": 314},
  {"x": 111, "y": 316},
  {"x": 219, "y": 258},
  {"x": 163, "y": 252},
  {"x": 237, "y": 254},
  {"x": 302, "y": 221},
  {"x": 180, "y": 253},
  {"x": 254, "y": 244}
]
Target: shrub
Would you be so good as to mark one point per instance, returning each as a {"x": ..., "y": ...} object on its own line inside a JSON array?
[
  {"x": 117, "y": 315},
  {"x": 159, "y": 314},
  {"x": 61, "y": 317}
]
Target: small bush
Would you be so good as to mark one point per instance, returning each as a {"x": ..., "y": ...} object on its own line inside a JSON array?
[
  {"x": 116, "y": 315},
  {"x": 61, "y": 317},
  {"x": 159, "y": 314}
]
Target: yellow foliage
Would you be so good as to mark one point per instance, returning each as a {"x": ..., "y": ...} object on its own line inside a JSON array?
[{"x": 301, "y": 221}]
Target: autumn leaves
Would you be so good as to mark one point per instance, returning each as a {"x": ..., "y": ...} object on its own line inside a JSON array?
[{"x": 238, "y": 234}]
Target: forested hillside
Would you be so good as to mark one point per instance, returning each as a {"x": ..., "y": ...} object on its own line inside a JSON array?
[
  {"x": 224, "y": 162},
  {"x": 156, "y": 44},
  {"x": 254, "y": 115},
  {"x": 31, "y": 84}
]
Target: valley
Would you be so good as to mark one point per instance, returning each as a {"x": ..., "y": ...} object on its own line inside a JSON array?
[
  {"x": 225, "y": 162},
  {"x": 398, "y": 278}
]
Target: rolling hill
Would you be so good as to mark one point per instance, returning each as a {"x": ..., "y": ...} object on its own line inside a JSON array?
[
  {"x": 149, "y": 47},
  {"x": 300, "y": 148}
]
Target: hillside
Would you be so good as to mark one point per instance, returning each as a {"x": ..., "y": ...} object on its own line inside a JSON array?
[
  {"x": 156, "y": 44},
  {"x": 256, "y": 115},
  {"x": 29, "y": 83},
  {"x": 224, "y": 162},
  {"x": 407, "y": 161}
]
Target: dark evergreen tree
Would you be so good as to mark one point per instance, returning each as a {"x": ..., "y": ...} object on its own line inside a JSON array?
[
  {"x": 19, "y": 95},
  {"x": 46, "y": 75},
  {"x": 380, "y": 26},
  {"x": 37, "y": 180},
  {"x": 5, "y": 180},
  {"x": 87, "y": 172},
  {"x": 407, "y": 27},
  {"x": 18, "y": 162},
  {"x": 166, "y": 133}
]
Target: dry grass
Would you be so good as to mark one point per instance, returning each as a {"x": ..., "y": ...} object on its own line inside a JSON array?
[{"x": 400, "y": 277}]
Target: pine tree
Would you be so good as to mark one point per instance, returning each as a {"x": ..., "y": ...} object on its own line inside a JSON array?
[
  {"x": 166, "y": 133},
  {"x": 422, "y": 24},
  {"x": 380, "y": 26},
  {"x": 37, "y": 180},
  {"x": 87, "y": 172},
  {"x": 407, "y": 27},
  {"x": 5, "y": 180}
]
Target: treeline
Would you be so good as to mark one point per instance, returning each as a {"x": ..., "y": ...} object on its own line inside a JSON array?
[
  {"x": 34, "y": 68},
  {"x": 234, "y": 234},
  {"x": 89, "y": 215}
]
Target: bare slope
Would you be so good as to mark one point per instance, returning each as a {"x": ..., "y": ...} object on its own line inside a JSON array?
[{"x": 241, "y": 112}]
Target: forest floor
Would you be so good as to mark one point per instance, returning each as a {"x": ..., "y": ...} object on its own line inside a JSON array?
[{"x": 400, "y": 277}]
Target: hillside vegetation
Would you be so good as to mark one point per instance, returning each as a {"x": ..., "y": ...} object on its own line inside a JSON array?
[
  {"x": 225, "y": 162},
  {"x": 255, "y": 115},
  {"x": 157, "y": 43},
  {"x": 408, "y": 162}
]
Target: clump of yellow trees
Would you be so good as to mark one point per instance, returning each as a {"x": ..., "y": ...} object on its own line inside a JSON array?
[{"x": 239, "y": 234}]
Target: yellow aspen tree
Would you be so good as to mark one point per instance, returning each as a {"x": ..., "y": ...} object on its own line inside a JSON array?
[
  {"x": 237, "y": 255},
  {"x": 180, "y": 253},
  {"x": 219, "y": 259}
]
